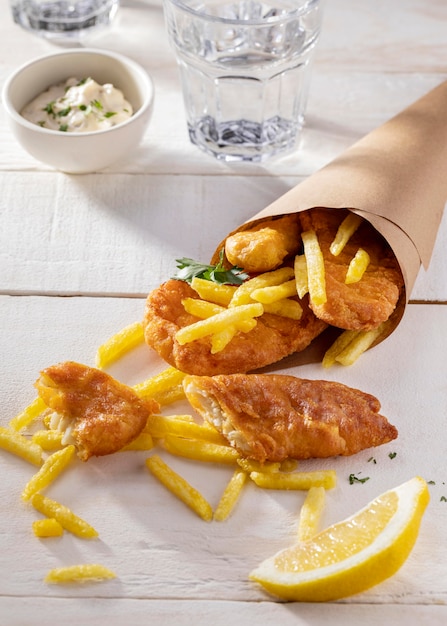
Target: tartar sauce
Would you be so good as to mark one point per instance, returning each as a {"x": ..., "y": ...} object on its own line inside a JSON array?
[{"x": 78, "y": 106}]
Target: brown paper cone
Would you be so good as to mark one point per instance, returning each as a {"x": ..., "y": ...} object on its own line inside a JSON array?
[{"x": 395, "y": 177}]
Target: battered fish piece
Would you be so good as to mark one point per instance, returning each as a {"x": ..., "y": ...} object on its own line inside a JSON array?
[
  {"x": 272, "y": 417},
  {"x": 98, "y": 414},
  {"x": 265, "y": 246},
  {"x": 363, "y": 305},
  {"x": 273, "y": 338}
]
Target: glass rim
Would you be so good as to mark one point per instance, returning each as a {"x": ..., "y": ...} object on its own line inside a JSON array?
[{"x": 306, "y": 6}]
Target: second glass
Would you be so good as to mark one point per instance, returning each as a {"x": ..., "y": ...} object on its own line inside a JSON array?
[
  {"x": 245, "y": 71},
  {"x": 63, "y": 20}
]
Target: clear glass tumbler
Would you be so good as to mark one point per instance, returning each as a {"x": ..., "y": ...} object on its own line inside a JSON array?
[
  {"x": 245, "y": 68},
  {"x": 63, "y": 20}
]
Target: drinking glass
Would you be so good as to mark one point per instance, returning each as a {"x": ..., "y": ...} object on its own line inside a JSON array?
[
  {"x": 245, "y": 69},
  {"x": 63, "y": 20}
]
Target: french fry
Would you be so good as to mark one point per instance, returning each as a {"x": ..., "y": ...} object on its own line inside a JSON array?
[
  {"x": 242, "y": 295},
  {"x": 218, "y": 322},
  {"x": 161, "y": 425},
  {"x": 221, "y": 339},
  {"x": 345, "y": 231},
  {"x": 65, "y": 516},
  {"x": 28, "y": 415},
  {"x": 119, "y": 344},
  {"x": 144, "y": 441},
  {"x": 180, "y": 487},
  {"x": 50, "y": 470},
  {"x": 343, "y": 340},
  {"x": 14, "y": 442},
  {"x": 79, "y": 573},
  {"x": 230, "y": 495},
  {"x": 48, "y": 527},
  {"x": 300, "y": 269},
  {"x": 266, "y": 295},
  {"x": 171, "y": 395},
  {"x": 213, "y": 292},
  {"x": 358, "y": 346},
  {"x": 249, "y": 465},
  {"x": 201, "y": 308},
  {"x": 47, "y": 418},
  {"x": 315, "y": 268},
  {"x": 285, "y": 308},
  {"x": 357, "y": 267},
  {"x": 295, "y": 480},
  {"x": 161, "y": 385},
  {"x": 311, "y": 512},
  {"x": 200, "y": 450},
  {"x": 48, "y": 439}
]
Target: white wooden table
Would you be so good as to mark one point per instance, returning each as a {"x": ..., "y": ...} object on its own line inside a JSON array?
[{"x": 78, "y": 254}]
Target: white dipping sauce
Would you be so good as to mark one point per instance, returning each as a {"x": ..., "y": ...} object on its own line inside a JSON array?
[{"x": 78, "y": 106}]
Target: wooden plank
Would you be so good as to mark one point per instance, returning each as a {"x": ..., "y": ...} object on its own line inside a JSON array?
[
  {"x": 116, "y": 612},
  {"x": 161, "y": 550},
  {"x": 111, "y": 234}
]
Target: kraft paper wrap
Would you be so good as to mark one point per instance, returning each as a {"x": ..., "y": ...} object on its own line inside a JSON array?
[{"x": 395, "y": 177}]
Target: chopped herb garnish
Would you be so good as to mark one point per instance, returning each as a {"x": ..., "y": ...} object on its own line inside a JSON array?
[
  {"x": 189, "y": 269},
  {"x": 49, "y": 108},
  {"x": 97, "y": 104},
  {"x": 83, "y": 81},
  {"x": 41, "y": 123},
  {"x": 110, "y": 113},
  {"x": 64, "y": 112},
  {"x": 83, "y": 107},
  {"x": 392, "y": 455},
  {"x": 63, "y": 128},
  {"x": 431, "y": 482},
  {"x": 355, "y": 479},
  {"x": 443, "y": 499},
  {"x": 372, "y": 460}
]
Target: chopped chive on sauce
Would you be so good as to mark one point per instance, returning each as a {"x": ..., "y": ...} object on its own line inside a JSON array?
[
  {"x": 78, "y": 106},
  {"x": 49, "y": 108},
  {"x": 64, "y": 112}
]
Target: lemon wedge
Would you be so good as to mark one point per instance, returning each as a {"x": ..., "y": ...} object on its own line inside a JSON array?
[{"x": 352, "y": 555}]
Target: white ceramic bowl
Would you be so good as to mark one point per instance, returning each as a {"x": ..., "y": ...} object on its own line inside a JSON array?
[{"x": 79, "y": 152}]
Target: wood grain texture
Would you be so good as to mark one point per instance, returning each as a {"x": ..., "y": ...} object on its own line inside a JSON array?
[
  {"x": 116, "y": 612},
  {"x": 78, "y": 255},
  {"x": 159, "y": 549}
]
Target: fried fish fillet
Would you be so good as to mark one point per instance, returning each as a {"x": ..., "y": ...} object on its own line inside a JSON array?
[
  {"x": 272, "y": 417},
  {"x": 265, "y": 246},
  {"x": 363, "y": 305},
  {"x": 98, "y": 414},
  {"x": 273, "y": 338}
]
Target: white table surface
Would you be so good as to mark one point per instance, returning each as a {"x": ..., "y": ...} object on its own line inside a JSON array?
[{"x": 78, "y": 254}]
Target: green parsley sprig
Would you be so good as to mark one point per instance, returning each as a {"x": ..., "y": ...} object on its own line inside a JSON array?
[{"x": 189, "y": 269}]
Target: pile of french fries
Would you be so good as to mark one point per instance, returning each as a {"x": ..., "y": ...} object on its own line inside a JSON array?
[
  {"x": 224, "y": 310},
  {"x": 30, "y": 437}
]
